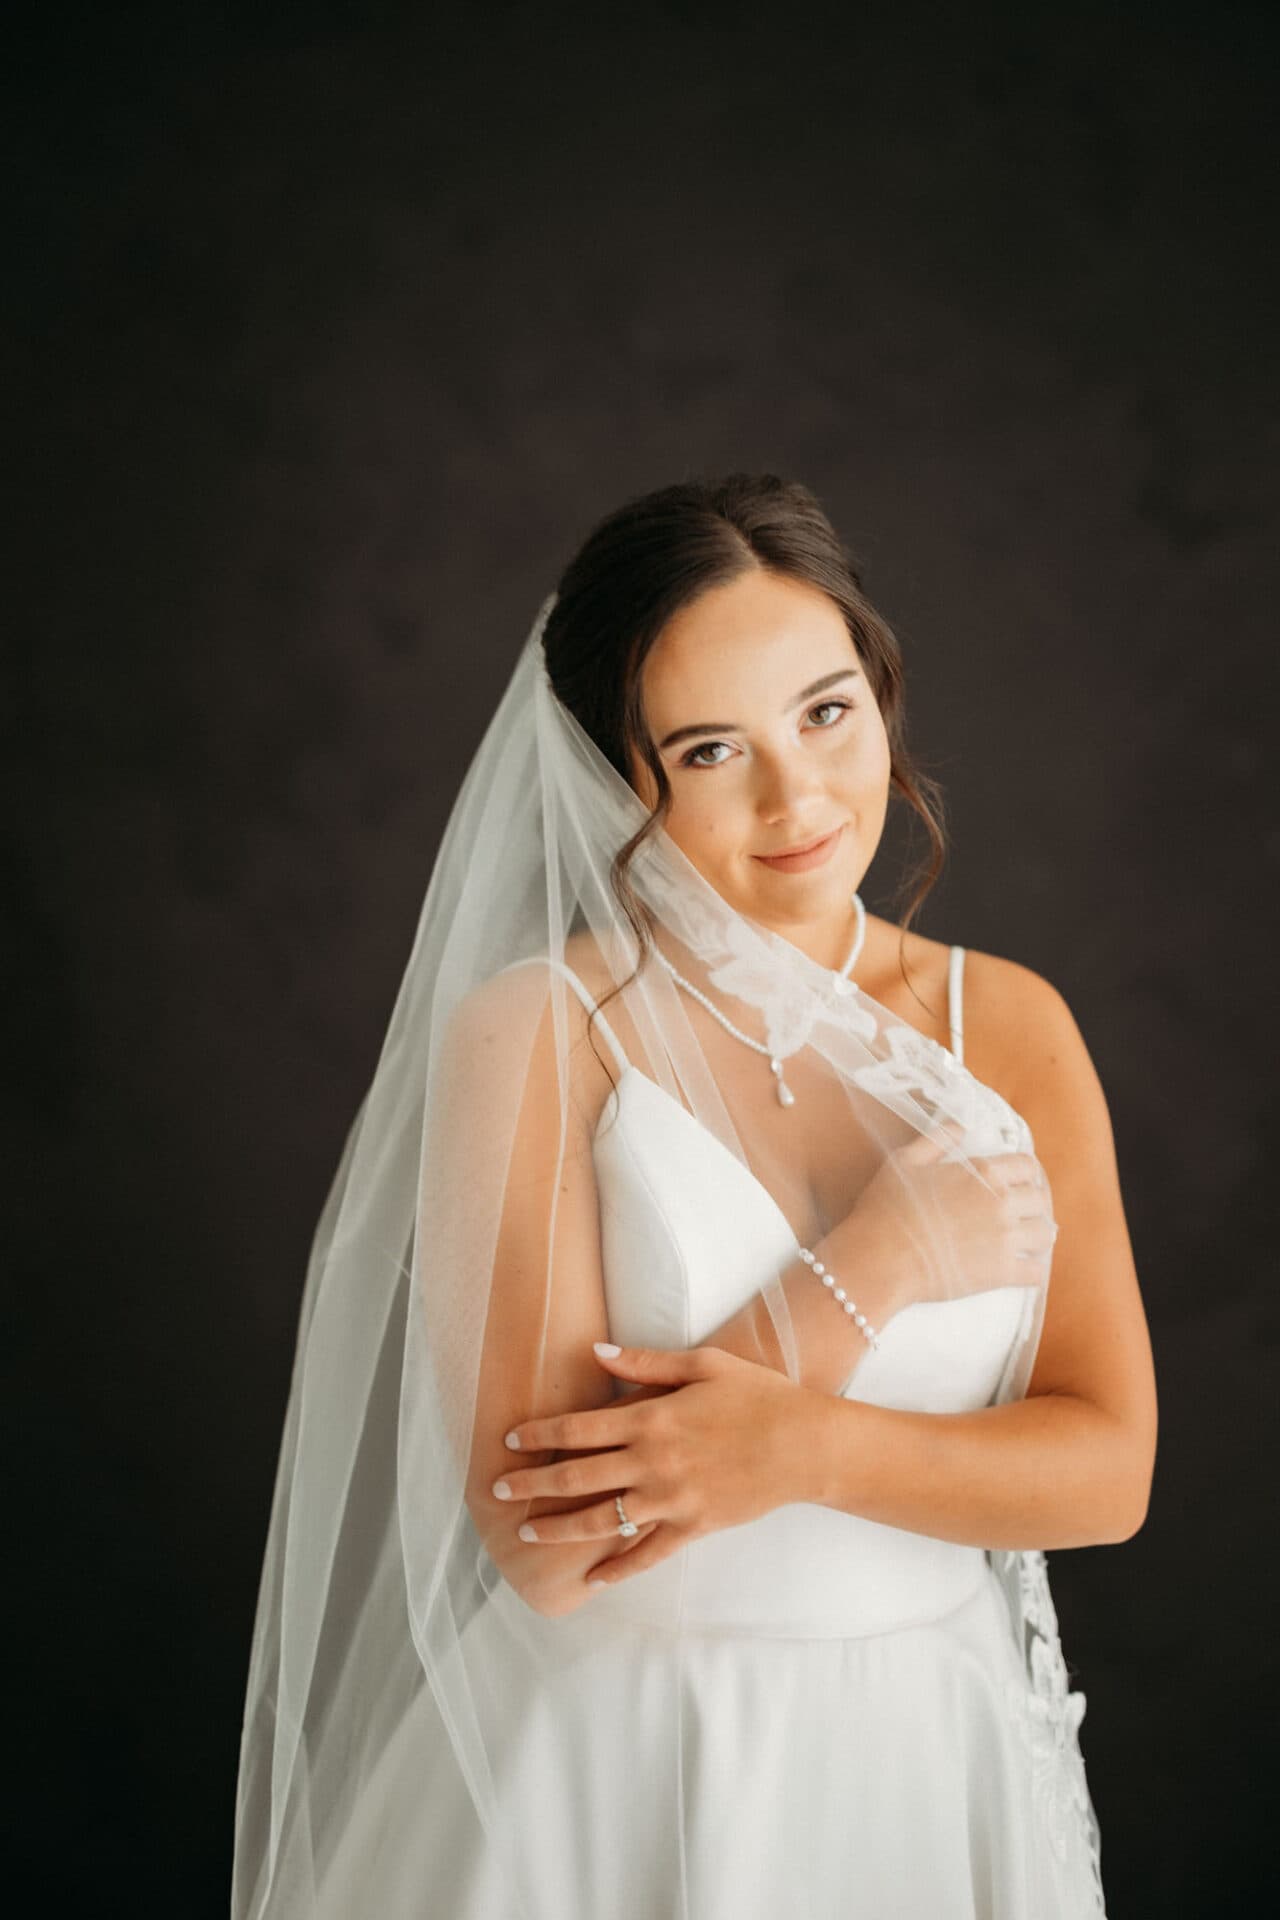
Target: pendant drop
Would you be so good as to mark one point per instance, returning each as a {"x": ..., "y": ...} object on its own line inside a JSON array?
[{"x": 785, "y": 1096}]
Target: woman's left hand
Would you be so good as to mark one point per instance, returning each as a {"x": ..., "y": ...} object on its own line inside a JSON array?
[{"x": 719, "y": 1452}]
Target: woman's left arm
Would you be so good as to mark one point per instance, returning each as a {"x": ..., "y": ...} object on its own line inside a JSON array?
[{"x": 1070, "y": 1465}]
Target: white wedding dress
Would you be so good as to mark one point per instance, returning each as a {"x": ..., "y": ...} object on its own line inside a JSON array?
[{"x": 862, "y": 1736}]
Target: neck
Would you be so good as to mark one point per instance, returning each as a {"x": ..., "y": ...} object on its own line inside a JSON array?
[{"x": 825, "y": 941}]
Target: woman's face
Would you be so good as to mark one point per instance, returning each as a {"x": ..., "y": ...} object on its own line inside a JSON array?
[{"x": 771, "y": 737}]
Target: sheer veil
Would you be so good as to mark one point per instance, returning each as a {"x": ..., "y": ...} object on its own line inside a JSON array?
[{"x": 461, "y": 1268}]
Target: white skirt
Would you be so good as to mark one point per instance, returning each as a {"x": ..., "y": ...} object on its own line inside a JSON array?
[{"x": 892, "y": 1776}]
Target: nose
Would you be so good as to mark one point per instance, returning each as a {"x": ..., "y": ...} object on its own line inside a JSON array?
[{"x": 786, "y": 781}]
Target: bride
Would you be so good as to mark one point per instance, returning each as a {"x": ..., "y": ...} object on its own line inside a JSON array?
[{"x": 723, "y": 1301}]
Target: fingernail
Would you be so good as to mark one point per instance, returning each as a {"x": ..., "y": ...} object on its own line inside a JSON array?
[
  {"x": 597, "y": 1583},
  {"x": 606, "y": 1349},
  {"x": 501, "y": 1491},
  {"x": 513, "y": 1440},
  {"x": 528, "y": 1532}
]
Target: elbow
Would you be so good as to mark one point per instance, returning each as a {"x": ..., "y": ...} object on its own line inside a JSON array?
[
  {"x": 530, "y": 1571},
  {"x": 1129, "y": 1523},
  {"x": 1122, "y": 1475},
  {"x": 1139, "y": 1510},
  {"x": 550, "y": 1599},
  {"x": 514, "y": 1568},
  {"x": 553, "y": 1602},
  {"x": 516, "y": 1563},
  {"x": 1140, "y": 1484},
  {"x": 1133, "y": 1508}
]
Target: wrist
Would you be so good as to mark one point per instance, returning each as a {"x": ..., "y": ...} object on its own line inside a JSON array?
[
  {"x": 857, "y": 1254},
  {"x": 810, "y": 1437}
]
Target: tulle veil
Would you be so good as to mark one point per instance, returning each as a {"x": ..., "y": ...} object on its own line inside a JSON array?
[{"x": 384, "y": 1605}]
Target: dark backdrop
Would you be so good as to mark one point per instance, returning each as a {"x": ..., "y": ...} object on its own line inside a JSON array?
[{"x": 333, "y": 331}]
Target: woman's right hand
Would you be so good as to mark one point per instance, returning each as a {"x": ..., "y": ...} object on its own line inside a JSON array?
[{"x": 996, "y": 1227}]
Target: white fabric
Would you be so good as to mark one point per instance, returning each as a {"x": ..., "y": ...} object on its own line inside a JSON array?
[
  {"x": 810, "y": 1713},
  {"x": 844, "y": 1669},
  {"x": 689, "y": 1236}
]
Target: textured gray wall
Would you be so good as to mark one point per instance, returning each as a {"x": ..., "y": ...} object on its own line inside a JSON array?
[{"x": 336, "y": 329}]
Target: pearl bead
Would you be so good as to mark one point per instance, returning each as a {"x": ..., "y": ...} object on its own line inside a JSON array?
[{"x": 840, "y": 1297}]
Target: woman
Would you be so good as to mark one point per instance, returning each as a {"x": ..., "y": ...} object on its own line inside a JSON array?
[{"x": 744, "y": 1612}]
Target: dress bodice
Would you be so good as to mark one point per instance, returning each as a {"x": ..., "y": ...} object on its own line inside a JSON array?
[{"x": 688, "y": 1236}]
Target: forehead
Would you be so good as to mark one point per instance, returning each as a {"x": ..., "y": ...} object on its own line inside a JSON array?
[{"x": 761, "y": 636}]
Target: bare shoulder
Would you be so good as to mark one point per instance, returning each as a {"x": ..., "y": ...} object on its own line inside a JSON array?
[
  {"x": 524, "y": 987},
  {"x": 1022, "y": 1037},
  {"x": 505, "y": 1027},
  {"x": 582, "y": 953}
]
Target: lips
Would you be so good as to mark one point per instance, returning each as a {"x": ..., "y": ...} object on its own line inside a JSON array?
[
  {"x": 800, "y": 859},
  {"x": 786, "y": 853}
]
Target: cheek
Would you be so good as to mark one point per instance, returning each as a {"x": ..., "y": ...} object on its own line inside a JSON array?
[
  {"x": 872, "y": 762},
  {"x": 694, "y": 821},
  {"x": 699, "y": 822},
  {"x": 707, "y": 821}
]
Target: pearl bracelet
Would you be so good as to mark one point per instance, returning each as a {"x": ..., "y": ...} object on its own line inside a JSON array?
[{"x": 839, "y": 1295}]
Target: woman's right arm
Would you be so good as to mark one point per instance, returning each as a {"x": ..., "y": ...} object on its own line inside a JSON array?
[{"x": 546, "y": 1301}]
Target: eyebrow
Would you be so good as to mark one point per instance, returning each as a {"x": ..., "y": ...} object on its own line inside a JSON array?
[{"x": 733, "y": 726}]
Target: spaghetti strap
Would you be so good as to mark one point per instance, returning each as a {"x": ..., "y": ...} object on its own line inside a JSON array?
[
  {"x": 954, "y": 997},
  {"x": 544, "y": 959}
]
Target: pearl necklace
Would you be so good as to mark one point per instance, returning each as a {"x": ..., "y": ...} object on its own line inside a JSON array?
[{"x": 786, "y": 1098}]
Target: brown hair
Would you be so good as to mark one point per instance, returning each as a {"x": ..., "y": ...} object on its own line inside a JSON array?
[{"x": 655, "y": 554}]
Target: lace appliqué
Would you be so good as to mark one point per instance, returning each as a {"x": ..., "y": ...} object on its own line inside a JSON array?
[
  {"x": 790, "y": 1003},
  {"x": 916, "y": 1065},
  {"x": 1047, "y": 1714}
]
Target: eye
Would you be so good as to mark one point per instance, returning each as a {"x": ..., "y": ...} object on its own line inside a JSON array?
[
  {"x": 691, "y": 759},
  {"x": 832, "y": 706},
  {"x": 836, "y": 707}
]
